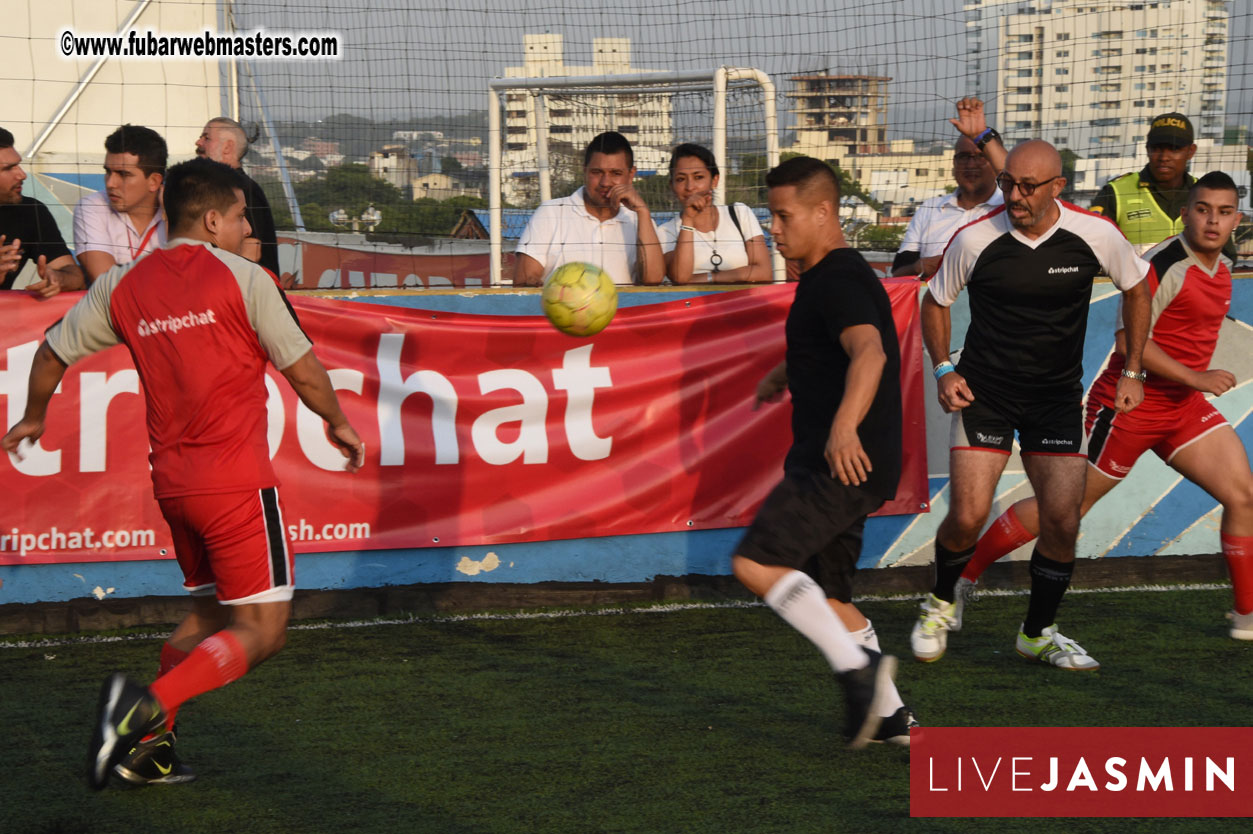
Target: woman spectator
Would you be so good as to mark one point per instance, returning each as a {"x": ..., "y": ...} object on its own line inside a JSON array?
[{"x": 707, "y": 243}]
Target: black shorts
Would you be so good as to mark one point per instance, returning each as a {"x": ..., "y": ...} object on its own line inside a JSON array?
[
  {"x": 1045, "y": 425},
  {"x": 813, "y": 523}
]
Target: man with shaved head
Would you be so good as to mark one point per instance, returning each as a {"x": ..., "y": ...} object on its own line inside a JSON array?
[
  {"x": 1029, "y": 268},
  {"x": 842, "y": 368},
  {"x": 224, "y": 140}
]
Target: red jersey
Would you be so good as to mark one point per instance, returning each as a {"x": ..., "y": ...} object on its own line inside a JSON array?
[
  {"x": 200, "y": 324},
  {"x": 1190, "y": 302}
]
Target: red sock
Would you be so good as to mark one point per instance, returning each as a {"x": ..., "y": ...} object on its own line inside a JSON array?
[
  {"x": 1238, "y": 551},
  {"x": 1004, "y": 536},
  {"x": 214, "y": 663},
  {"x": 170, "y": 657}
]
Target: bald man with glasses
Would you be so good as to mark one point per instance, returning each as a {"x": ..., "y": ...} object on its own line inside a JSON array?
[{"x": 1028, "y": 267}]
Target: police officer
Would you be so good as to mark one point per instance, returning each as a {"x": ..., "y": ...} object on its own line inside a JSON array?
[{"x": 1146, "y": 204}]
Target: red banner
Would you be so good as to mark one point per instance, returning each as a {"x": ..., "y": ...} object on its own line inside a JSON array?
[
  {"x": 1081, "y": 772},
  {"x": 315, "y": 266},
  {"x": 478, "y": 429}
]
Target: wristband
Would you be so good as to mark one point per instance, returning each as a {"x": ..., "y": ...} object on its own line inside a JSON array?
[
  {"x": 942, "y": 369},
  {"x": 691, "y": 229},
  {"x": 1141, "y": 376},
  {"x": 984, "y": 138}
]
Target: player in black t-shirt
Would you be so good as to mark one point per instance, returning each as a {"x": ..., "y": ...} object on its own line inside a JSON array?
[
  {"x": 1028, "y": 268},
  {"x": 842, "y": 368},
  {"x": 28, "y": 232}
]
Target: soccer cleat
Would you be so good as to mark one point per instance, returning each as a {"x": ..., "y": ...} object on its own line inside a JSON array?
[
  {"x": 963, "y": 592},
  {"x": 895, "y": 728},
  {"x": 864, "y": 692},
  {"x": 127, "y": 713},
  {"x": 1053, "y": 648},
  {"x": 930, "y": 635},
  {"x": 154, "y": 762},
  {"x": 1241, "y": 625}
]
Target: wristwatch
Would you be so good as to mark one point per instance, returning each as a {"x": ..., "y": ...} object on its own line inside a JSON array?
[
  {"x": 1141, "y": 376},
  {"x": 987, "y": 136}
]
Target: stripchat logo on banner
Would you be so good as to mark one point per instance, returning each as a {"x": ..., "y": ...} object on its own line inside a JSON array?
[{"x": 1081, "y": 772}]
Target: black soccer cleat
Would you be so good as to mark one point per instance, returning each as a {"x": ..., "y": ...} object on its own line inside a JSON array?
[
  {"x": 154, "y": 762},
  {"x": 127, "y": 713},
  {"x": 895, "y": 728},
  {"x": 864, "y": 692}
]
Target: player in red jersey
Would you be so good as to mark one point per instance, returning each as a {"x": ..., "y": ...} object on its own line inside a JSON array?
[
  {"x": 1191, "y": 297},
  {"x": 201, "y": 323}
]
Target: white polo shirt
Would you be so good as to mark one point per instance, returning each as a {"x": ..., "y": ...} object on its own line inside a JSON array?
[
  {"x": 725, "y": 240},
  {"x": 938, "y": 219},
  {"x": 563, "y": 231},
  {"x": 98, "y": 228}
]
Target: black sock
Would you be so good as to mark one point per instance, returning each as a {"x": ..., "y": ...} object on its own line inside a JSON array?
[
  {"x": 948, "y": 567},
  {"x": 1049, "y": 581}
]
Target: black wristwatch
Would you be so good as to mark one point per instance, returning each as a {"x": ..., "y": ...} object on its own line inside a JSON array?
[{"x": 986, "y": 137}]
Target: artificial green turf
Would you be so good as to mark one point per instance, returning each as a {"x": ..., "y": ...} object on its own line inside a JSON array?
[{"x": 709, "y": 720}]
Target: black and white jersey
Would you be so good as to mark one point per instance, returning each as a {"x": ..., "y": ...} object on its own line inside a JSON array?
[{"x": 1029, "y": 298}]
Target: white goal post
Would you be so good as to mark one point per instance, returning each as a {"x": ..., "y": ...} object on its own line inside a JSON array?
[{"x": 716, "y": 81}]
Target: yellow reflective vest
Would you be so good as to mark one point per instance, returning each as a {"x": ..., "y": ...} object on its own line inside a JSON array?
[{"x": 1139, "y": 216}]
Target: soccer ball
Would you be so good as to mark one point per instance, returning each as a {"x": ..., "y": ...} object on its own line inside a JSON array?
[{"x": 579, "y": 299}]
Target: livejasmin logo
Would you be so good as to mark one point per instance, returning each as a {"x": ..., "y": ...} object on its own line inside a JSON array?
[
  {"x": 1081, "y": 772},
  {"x": 1024, "y": 774}
]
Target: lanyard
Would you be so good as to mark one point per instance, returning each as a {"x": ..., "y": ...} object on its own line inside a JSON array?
[{"x": 135, "y": 253}]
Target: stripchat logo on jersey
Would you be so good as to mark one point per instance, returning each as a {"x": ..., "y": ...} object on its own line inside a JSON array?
[{"x": 173, "y": 324}]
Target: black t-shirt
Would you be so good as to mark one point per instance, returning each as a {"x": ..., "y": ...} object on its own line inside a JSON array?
[
  {"x": 1029, "y": 298},
  {"x": 257, "y": 210},
  {"x": 30, "y": 222},
  {"x": 839, "y": 292}
]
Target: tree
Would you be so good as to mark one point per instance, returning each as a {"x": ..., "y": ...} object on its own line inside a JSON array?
[{"x": 881, "y": 238}]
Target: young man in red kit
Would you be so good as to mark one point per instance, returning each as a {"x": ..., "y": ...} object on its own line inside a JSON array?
[
  {"x": 1191, "y": 297},
  {"x": 201, "y": 322}
]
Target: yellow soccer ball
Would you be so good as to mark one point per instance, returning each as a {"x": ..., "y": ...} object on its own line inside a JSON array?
[{"x": 579, "y": 299}]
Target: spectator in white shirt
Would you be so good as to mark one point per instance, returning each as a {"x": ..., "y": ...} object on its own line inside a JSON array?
[
  {"x": 605, "y": 223},
  {"x": 117, "y": 225},
  {"x": 705, "y": 243},
  {"x": 936, "y": 220}
]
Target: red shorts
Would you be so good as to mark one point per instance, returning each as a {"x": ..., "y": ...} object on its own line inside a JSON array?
[
  {"x": 233, "y": 544},
  {"x": 1116, "y": 441}
]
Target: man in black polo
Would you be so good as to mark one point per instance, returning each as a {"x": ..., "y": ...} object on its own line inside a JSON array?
[{"x": 33, "y": 255}]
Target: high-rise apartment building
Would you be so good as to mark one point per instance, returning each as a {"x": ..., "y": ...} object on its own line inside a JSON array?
[
  {"x": 574, "y": 118},
  {"x": 1088, "y": 75},
  {"x": 840, "y": 115}
]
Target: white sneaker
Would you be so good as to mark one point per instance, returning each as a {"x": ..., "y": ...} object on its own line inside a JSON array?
[
  {"x": 1054, "y": 648},
  {"x": 930, "y": 635},
  {"x": 1241, "y": 625},
  {"x": 963, "y": 592}
]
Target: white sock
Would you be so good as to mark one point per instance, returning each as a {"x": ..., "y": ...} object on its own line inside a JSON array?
[
  {"x": 802, "y": 604},
  {"x": 866, "y": 638}
]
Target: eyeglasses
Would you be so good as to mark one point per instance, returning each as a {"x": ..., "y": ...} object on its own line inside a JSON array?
[
  {"x": 968, "y": 158},
  {"x": 1007, "y": 184}
]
